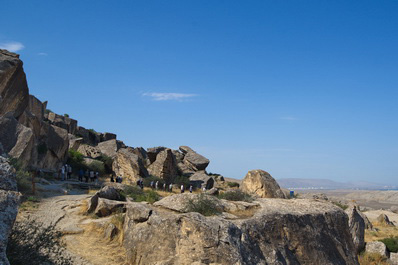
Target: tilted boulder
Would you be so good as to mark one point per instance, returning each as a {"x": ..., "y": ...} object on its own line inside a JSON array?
[
  {"x": 129, "y": 165},
  {"x": 280, "y": 232},
  {"x": 36, "y": 107},
  {"x": 153, "y": 152},
  {"x": 201, "y": 180},
  {"x": 383, "y": 219},
  {"x": 107, "y": 207},
  {"x": 17, "y": 140},
  {"x": 14, "y": 92},
  {"x": 9, "y": 201},
  {"x": 194, "y": 160},
  {"x": 90, "y": 136},
  {"x": 63, "y": 122},
  {"x": 357, "y": 228},
  {"x": 165, "y": 166},
  {"x": 262, "y": 184},
  {"x": 108, "y": 148}
]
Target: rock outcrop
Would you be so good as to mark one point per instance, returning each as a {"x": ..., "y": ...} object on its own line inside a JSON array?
[
  {"x": 9, "y": 200},
  {"x": 109, "y": 147},
  {"x": 357, "y": 228},
  {"x": 262, "y": 184},
  {"x": 164, "y": 166},
  {"x": 377, "y": 247},
  {"x": 280, "y": 232},
  {"x": 194, "y": 160},
  {"x": 129, "y": 165},
  {"x": 201, "y": 180},
  {"x": 384, "y": 220},
  {"x": 14, "y": 93}
]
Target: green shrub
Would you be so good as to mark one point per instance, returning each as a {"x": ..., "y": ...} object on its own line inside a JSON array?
[
  {"x": 391, "y": 243},
  {"x": 233, "y": 184},
  {"x": 66, "y": 115},
  {"x": 182, "y": 180},
  {"x": 76, "y": 160},
  {"x": 342, "y": 206},
  {"x": 202, "y": 205},
  {"x": 236, "y": 195},
  {"x": 97, "y": 166},
  {"x": 107, "y": 160},
  {"x": 139, "y": 195},
  {"x": 24, "y": 178}
]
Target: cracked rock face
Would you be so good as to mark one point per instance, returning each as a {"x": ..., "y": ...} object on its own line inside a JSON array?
[
  {"x": 262, "y": 184},
  {"x": 280, "y": 232},
  {"x": 357, "y": 228},
  {"x": 9, "y": 200}
]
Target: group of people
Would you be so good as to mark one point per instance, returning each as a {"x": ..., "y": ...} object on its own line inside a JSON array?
[
  {"x": 66, "y": 172},
  {"x": 118, "y": 179},
  {"x": 155, "y": 185}
]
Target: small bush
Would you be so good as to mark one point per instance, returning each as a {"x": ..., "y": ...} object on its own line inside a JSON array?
[
  {"x": 391, "y": 243},
  {"x": 236, "y": 195},
  {"x": 97, "y": 166},
  {"x": 233, "y": 184},
  {"x": 138, "y": 195},
  {"x": 342, "y": 206},
  {"x": 181, "y": 180},
  {"x": 202, "y": 205},
  {"x": 66, "y": 115},
  {"x": 76, "y": 160},
  {"x": 24, "y": 178}
]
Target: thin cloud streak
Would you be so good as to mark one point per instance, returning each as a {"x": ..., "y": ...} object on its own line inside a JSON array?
[
  {"x": 168, "y": 96},
  {"x": 12, "y": 46},
  {"x": 42, "y": 54}
]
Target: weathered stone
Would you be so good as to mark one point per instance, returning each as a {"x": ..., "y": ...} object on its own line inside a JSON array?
[
  {"x": 17, "y": 140},
  {"x": 179, "y": 202},
  {"x": 262, "y": 184},
  {"x": 89, "y": 151},
  {"x": 111, "y": 193},
  {"x": 9, "y": 201},
  {"x": 137, "y": 213},
  {"x": 377, "y": 247},
  {"x": 164, "y": 167},
  {"x": 14, "y": 91},
  {"x": 129, "y": 165},
  {"x": 90, "y": 136},
  {"x": 394, "y": 209},
  {"x": 383, "y": 219},
  {"x": 110, "y": 232},
  {"x": 63, "y": 122},
  {"x": 201, "y": 180},
  {"x": 194, "y": 160},
  {"x": 108, "y": 148},
  {"x": 107, "y": 207},
  {"x": 212, "y": 191},
  {"x": 280, "y": 232},
  {"x": 394, "y": 258},
  {"x": 368, "y": 224},
  {"x": 31, "y": 121},
  {"x": 153, "y": 152},
  {"x": 357, "y": 228},
  {"x": 36, "y": 107},
  {"x": 74, "y": 143},
  {"x": 92, "y": 203},
  {"x": 107, "y": 136}
]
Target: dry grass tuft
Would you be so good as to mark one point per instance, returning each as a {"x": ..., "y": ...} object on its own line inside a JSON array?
[
  {"x": 83, "y": 207},
  {"x": 383, "y": 232},
  {"x": 372, "y": 259}
]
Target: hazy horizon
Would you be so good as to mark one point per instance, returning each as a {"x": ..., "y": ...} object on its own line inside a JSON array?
[{"x": 301, "y": 91}]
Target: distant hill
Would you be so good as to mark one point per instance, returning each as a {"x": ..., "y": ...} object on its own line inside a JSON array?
[{"x": 301, "y": 183}]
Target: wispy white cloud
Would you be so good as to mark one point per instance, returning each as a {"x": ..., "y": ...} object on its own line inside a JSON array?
[
  {"x": 12, "y": 46},
  {"x": 289, "y": 118},
  {"x": 168, "y": 96},
  {"x": 42, "y": 54}
]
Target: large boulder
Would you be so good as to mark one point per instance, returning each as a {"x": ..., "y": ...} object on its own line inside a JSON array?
[
  {"x": 63, "y": 122},
  {"x": 17, "y": 140},
  {"x": 14, "y": 92},
  {"x": 201, "y": 180},
  {"x": 89, "y": 151},
  {"x": 378, "y": 248},
  {"x": 179, "y": 202},
  {"x": 90, "y": 137},
  {"x": 262, "y": 184},
  {"x": 357, "y": 228},
  {"x": 384, "y": 220},
  {"x": 9, "y": 201},
  {"x": 194, "y": 160},
  {"x": 107, "y": 136},
  {"x": 36, "y": 107},
  {"x": 107, "y": 207},
  {"x": 153, "y": 152},
  {"x": 108, "y": 148},
  {"x": 279, "y": 232},
  {"x": 129, "y": 165},
  {"x": 164, "y": 167}
]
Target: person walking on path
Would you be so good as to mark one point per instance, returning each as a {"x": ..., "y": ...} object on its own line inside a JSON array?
[
  {"x": 69, "y": 172},
  {"x": 87, "y": 175},
  {"x": 171, "y": 187},
  {"x": 91, "y": 176},
  {"x": 63, "y": 173},
  {"x": 190, "y": 188},
  {"x": 81, "y": 173},
  {"x": 157, "y": 185},
  {"x": 164, "y": 186},
  {"x": 182, "y": 188},
  {"x": 96, "y": 177}
]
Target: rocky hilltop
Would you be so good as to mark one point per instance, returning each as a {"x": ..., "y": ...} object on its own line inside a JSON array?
[{"x": 255, "y": 224}]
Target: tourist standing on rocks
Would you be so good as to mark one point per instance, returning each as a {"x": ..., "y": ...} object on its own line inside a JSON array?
[
  {"x": 81, "y": 173},
  {"x": 204, "y": 188},
  {"x": 152, "y": 184},
  {"x": 157, "y": 185},
  {"x": 112, "y": 179},
  {"x": 182, "y": 188},
  {"x": 69, "y": 172},
  {"x": 92, "y": 176},
  {"x": 63, "y": 173},
  {"x": 190, "y": 188},
  {"x": 164, "y": 186},
  {"x": 96, "y": 177},
  {"x": 86, "y": 176},
  {"x": 171, "y": 187}
]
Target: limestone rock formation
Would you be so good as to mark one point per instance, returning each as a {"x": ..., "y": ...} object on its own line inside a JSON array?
[
  {"x": 357, "y": 228},
  {"x": 89, "y": 151},
  {"x": 14, "y": 91},
  {"x": 201, "y": 180},
  {"x": 194, "y": 160},
  {"x": 153, "y": 152},
  {"x": 165, "y": 166},
  {"x": 383, "y": 219},
  {"x": 106, "y": 207},
  {"x": 262, "y": 184},
  {"x": 109, "y": 147},
  {"x": 280, "y": 232},
  {"x": 107, "y": 136},
  {"x": 129, "y": 165},
  {"x": 9, "y": 201},
  {"x": 377, "y": 247}
]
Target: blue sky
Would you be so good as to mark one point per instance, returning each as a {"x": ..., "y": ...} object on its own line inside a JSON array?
[{"x": 303, "y": 89}]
